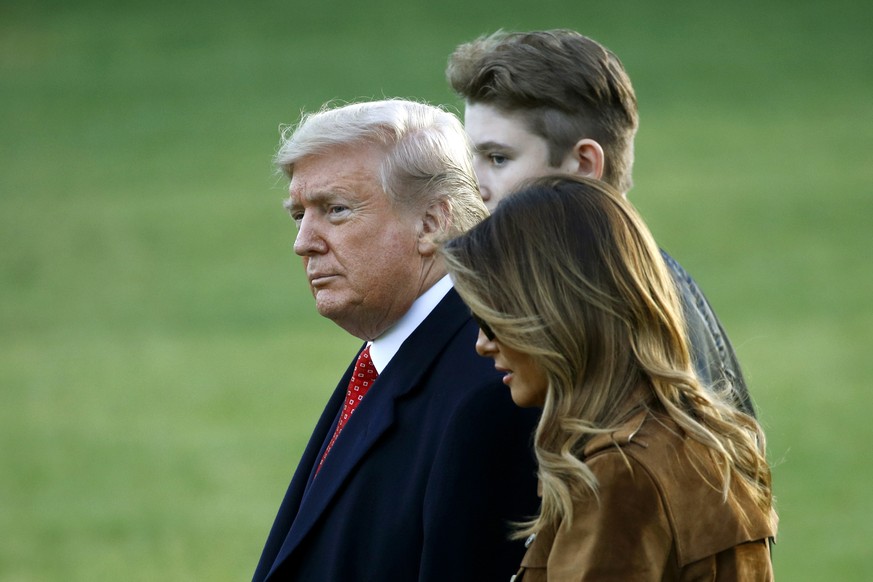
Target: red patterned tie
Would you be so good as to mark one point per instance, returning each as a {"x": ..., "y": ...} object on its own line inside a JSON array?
[{"x": 363, "y": 377}]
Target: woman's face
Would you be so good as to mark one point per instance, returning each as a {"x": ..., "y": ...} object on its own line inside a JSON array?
[{"x": 526, "y": 380}]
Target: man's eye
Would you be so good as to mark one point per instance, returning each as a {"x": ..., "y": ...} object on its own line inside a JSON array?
[{"x": 337, "y": 209}]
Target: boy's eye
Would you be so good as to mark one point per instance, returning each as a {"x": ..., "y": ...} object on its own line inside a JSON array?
[{"x": 498, "y": 159}]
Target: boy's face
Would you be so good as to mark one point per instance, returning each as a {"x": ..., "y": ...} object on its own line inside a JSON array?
[{"x": 505, "y": 151}]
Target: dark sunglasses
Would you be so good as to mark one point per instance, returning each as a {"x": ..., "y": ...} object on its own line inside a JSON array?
[{"x": 486, "y": 329}]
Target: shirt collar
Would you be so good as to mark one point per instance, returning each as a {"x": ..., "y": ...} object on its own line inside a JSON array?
[{"x": 383, "y": 348}]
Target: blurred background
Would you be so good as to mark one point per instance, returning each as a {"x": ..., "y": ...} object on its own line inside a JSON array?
[{"x": 161, "y": 362}]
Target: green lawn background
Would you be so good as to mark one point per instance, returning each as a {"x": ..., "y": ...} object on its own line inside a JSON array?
[{"x": 161, "y": 364}]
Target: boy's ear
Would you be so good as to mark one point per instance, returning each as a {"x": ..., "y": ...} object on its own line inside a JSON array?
[{"x": 586, "y": 159}]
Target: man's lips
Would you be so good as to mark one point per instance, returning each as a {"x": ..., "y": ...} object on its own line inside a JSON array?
[{"x": 320, "y": 279}]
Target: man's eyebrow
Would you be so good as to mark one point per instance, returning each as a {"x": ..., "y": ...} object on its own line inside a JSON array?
[{"x": 312, "y": 197}]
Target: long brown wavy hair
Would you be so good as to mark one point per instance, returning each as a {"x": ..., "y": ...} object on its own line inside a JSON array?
[{"x": 566, "y": 270}]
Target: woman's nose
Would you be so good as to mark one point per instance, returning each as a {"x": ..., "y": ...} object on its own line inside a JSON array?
[{"x": 484, "y": 346}]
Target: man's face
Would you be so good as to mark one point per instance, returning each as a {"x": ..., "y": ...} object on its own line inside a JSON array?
[
  {"x": 505, "y": 151},
  {"x": 361, "y": 254}
]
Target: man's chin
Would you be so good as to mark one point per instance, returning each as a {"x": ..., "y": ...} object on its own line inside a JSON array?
[{"x": 328, "y": 307}]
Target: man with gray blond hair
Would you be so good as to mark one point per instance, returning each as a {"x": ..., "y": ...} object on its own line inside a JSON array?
[{"x": 420, "y": 461}]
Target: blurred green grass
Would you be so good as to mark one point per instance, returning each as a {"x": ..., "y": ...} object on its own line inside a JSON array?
[{"x": 161, "y": 364}]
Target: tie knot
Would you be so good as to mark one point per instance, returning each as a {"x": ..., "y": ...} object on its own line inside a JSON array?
[{"x": 365, "y": 372}]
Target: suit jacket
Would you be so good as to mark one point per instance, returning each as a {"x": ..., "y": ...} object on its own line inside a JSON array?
[
  {"x": 425, "y": 477},
  {"x": 656, "y": 517}
]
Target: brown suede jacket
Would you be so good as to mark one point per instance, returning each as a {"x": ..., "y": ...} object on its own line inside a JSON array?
[{"x": 657, "y": 519}]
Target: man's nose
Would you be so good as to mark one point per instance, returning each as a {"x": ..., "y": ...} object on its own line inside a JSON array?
[{"x": 309, "y": 240}]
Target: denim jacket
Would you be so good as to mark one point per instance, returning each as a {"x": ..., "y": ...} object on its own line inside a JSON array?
[{"x": 711, "y": 350}]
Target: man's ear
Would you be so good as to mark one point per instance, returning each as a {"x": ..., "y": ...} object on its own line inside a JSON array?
[
  {"x": 586, "y": 159},
  {"x": 435, "y": 223}
]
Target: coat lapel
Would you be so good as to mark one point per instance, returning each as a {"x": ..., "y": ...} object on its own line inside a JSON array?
[{"x": 375, "y": 415}]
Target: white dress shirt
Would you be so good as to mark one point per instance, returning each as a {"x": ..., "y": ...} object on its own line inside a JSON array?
[{"x": 383, "y": 348}]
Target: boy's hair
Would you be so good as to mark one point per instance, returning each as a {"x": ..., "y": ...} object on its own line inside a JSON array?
[{"x": 566, "y": 87}]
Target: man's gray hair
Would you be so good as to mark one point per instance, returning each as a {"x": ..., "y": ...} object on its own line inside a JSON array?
[{"x": 427, "y": 160}]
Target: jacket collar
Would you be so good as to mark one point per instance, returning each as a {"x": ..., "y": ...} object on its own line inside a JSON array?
[{"x": 620, "y": 437}]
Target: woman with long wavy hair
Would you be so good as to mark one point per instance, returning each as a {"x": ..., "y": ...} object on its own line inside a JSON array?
[{"x": 645, "y": 474}]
